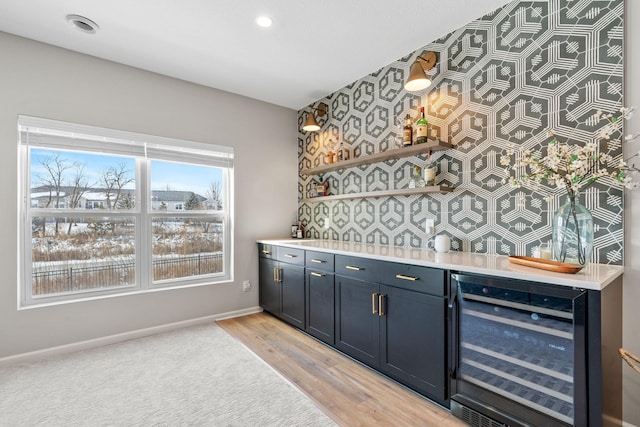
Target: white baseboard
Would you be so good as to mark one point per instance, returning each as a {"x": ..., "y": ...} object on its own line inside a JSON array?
[{"x": 33, "y": 356}]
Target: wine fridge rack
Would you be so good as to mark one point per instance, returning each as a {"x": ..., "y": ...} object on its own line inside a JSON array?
[{"x": 522, "y": 352}]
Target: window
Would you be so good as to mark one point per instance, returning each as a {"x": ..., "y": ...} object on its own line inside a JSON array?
[{"x": 106, "y": 212}]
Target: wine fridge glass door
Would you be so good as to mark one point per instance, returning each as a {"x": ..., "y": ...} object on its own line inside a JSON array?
[{"x": 517, "y": 343}]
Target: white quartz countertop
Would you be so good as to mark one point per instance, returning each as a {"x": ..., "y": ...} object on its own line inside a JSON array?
[{"x": 594, "y": 276}]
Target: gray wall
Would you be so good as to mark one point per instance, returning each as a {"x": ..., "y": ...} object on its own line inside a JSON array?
[
  {"x": 631, "y": 279},
  {"x": 44, "y": 81}
]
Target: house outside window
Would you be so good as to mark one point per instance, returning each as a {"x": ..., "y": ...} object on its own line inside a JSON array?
[{"x": 97, "y": 218}]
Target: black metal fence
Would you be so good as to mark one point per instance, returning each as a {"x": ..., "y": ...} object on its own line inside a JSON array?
[{"x": 109, "y": 275}]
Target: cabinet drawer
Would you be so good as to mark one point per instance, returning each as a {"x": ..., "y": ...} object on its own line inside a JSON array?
[
  {"x": 266, "y": 251},
  {"x": 413, "y": 277},
  {"x": 416, "y": 278},
  {"x": 358, "y": 268},
  {"x": 319, "y": 260},
  {"x": 290, "y": 255}
]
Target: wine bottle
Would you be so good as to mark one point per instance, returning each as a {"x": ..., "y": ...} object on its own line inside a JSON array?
[
  {"x": 340, "y": 150},
  {"x": 407, "y": 135},
  {"x": 421, "y": 128}
]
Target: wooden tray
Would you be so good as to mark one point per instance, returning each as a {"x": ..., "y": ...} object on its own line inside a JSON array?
[{"x": 545, "y": 264}]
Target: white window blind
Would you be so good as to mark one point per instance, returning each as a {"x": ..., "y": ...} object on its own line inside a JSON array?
[{"x": 39, "y": 132}]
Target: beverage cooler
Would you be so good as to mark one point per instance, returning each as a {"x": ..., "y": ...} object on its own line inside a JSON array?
[{"x": 518, "y": 353}]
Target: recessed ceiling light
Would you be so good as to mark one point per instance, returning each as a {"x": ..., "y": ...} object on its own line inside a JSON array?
[
  {"x": 264, "y": 21},
  {"x": 83, "y": 24}
]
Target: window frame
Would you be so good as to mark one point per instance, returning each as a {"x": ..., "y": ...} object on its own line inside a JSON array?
[{"x": 49, "y": 134}]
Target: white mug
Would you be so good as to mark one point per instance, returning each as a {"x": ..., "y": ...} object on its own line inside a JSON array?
[{"x": 441, "y": 243}]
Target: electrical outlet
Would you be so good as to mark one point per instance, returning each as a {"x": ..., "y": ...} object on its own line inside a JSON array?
[
  {"x": 246, "y": 285},
  {"x": 429, "y": 226}
]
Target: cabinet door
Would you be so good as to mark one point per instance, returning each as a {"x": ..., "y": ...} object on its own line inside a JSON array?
[
  {"x": 269, "y": 287},
  {"x": 320, "y": 305},
  {"x": 357, "y": 326},
  {"x": 292, "y": 287},
  {"x": 412, "y": 340}
]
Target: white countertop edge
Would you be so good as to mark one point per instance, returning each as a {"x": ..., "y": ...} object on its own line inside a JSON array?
[{"x": 593, "y": 277}]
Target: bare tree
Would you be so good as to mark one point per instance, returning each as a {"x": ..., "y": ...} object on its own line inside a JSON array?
[
  {"x": 55, "y": 167},
  {"x": 214, "y": 195},
  {"x": 114, "y": 179},
  {"x": 214, "y": 200},
  {"x": 79, "y": 186}
]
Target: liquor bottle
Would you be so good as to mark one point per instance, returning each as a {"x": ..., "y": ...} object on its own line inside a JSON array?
[
  {"x": 407, "y": 134},
  {"x": 340, "y": 150},
  {"x": 416, "y": 177},
  {"x": 430, "y": 171},
  {"x": 330, "y": 154},
  {"x": 300, "y": 233},
  {"x": 322, "y": 189},
  {"x": 421, "y": 128}
]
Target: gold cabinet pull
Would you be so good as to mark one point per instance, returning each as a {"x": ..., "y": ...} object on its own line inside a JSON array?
[
  {"x": 318, "y": 261},
  {"x": 275, "y": 274},
  {"x": 374, "y": 310},
  {"x": 266, "y": 252},
  {"x": 290, "y": 256},
  {"x": 380, "y": 305},
  {"x": 403, "y": 277},
  {"x": 313, "y": 273},
  {"x": 350, "y": 267}
]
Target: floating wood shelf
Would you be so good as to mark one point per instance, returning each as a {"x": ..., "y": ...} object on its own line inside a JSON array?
[
  {"x": 396, "y": 153},
  {"x": 440, "y": 189}
]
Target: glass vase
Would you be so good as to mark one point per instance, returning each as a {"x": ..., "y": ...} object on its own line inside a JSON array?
[{"x": 572, "y": 233}]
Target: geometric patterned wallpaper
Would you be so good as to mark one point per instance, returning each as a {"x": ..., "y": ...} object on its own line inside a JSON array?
[{"x": 500, "y": 82}]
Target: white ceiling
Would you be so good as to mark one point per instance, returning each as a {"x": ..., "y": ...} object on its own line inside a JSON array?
[{"x": 314, "y": 47}]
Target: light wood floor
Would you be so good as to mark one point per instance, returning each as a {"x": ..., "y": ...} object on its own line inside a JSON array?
[{"x": 351, "y": 394}]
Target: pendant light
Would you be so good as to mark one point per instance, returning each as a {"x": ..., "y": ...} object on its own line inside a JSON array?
[
  {"x": 418, "y": 79},
  {"x": 311, "y": 125}
]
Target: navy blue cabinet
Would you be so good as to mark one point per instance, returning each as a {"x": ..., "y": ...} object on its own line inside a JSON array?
[
  {"x": 269, "y": 286},
  {"x": 320, "y": 296},
  {"x": 282, "y": 291},
  {"x": 392, "y": 317},
  {"x": 446, "y": 334},
  {"x": 357, "y": 321},
  {"x": 413, "y": 340}
]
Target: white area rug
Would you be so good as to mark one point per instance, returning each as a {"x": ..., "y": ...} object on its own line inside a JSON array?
[{"x": 198, "y": 376}]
